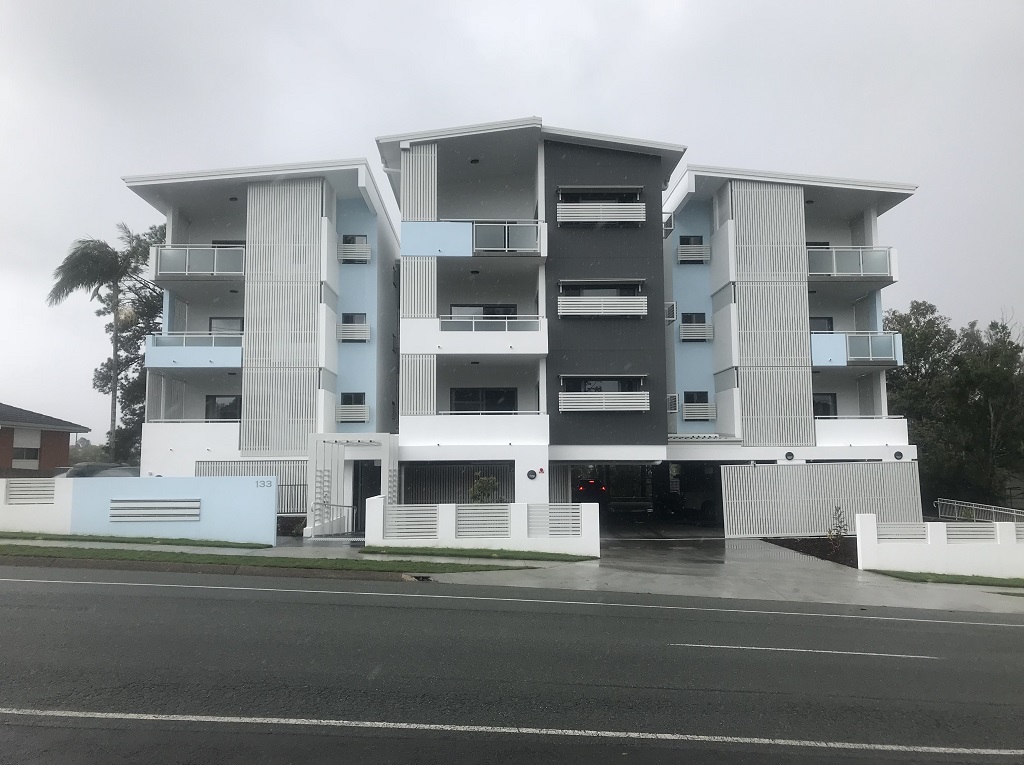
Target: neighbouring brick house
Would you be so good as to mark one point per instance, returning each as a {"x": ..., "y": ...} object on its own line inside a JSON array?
[{"x": 32, "y": 443}]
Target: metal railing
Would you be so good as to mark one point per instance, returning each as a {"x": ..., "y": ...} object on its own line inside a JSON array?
[
  {"x": 197, "y": 340},
  {"x": 330, "y": 519},
  {"x": 633, "y": 401},
  {"x": 489, "y": 323},
  {"x": 602, "y": 306},
  {"x": 957, "y": 510},
  {"x": 354, "y": 332},
  {"x": 693, "y": 253},
  {"x": 700, "y": 412},
  {"x": 489, "y": 411},
  {"x": 691, "y": 332},
  {"x": 870, "y": 346},
  {"x": 601, "y": 212},
  {"x": 206, "y": 260},
  {"x": 354, "y": 253},
  {"x": 190, "y": 419},
  {"x": 848, "y": 261},
  {"x": 351, "y": 413},
  {"x": 506, "y": 236}
]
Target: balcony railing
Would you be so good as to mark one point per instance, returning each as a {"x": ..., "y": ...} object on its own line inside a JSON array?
[
  {"x": 196, "y": 340},
  {"x": 489, "y": 323},
  {"x": 637, "y": 401},
  {"x": 199, "y": 260},
  {"x": 700, "y": 412},
  {"x": 693, "y": 253},
  {"x": 506, "y": 236},
  {"x": 351, "y": 413},
  {"x": 696, "y": 332},
  {"x": 353, "y": 253},
  {"x": 602, "y": 306},
  {"x": 354, "y": 333},
  {"x": 601, "y": 212},
  {"x": 871, "y": 346},
  {"x": 490, "y": 412},
  {"x": 849, "y": 261}
]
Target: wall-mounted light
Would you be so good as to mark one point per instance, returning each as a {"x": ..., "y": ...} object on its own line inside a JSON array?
[
  {"x": 789, "y": 456},
  {"x": 474, "y": 161},
  {"x": 808, "y": 201},
  {"x": 232, "y": 199},
  {"x": 898, "y": 455},
  {"x": 233, "y": 292}
]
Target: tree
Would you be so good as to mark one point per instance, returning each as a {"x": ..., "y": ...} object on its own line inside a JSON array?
[
  {"x": 963, "y": 396},
  {"x": 113, "y": 277}
]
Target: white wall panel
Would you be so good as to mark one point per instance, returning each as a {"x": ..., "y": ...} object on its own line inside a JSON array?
[{"x": 800, "y": 499}]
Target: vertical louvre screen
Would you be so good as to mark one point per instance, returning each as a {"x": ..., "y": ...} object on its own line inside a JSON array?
[
  {"x": 417, "y": 380},
  {"x": 290, "y": 474},
  {"x": 800, "y": 499},
  {"x": 282, "y": 296},
  {"x": 771, "y": 314},
  {"x": 560, "y": 483},
  {"x": 419, "y": 182},
  {"x": 450, "y": 482},
  {"x": 419, "y": 288}
]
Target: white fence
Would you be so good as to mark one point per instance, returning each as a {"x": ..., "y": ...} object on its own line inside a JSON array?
[
  {"x": 970, "y": 549},
  {"x": 557, "y": 528}
]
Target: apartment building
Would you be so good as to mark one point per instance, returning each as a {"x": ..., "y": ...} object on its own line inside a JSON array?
[
  {"x": 557, "y": 310},
  {"x": 280, "y": 304}
]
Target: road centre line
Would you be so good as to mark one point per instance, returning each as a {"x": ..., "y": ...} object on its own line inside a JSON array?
[
  {"x": 804, "y": 650},
  {"x": 541, "y": 601},
  {"x": 521, "y": 731}
]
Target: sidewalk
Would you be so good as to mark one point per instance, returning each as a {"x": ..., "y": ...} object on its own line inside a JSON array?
[{"x": 749, "y": 569}]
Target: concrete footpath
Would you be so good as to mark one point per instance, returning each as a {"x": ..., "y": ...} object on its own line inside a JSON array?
[{"x": 748, "y": 569}]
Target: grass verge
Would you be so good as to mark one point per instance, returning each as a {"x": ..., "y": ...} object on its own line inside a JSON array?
[
  {"x": 317, "y": 564},
  {"x": 458, "y": 552},
  {"x": 983, "y": 581},
  {"x": 129, "y": 540}
]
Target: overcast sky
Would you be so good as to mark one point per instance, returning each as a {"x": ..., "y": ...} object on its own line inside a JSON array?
[{"x": 927, "y": 92}]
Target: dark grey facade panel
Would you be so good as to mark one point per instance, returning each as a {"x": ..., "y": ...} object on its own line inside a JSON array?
[{"x": 609, "y": 346}]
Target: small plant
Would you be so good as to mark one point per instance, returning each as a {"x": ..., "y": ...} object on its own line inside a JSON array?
[
  {"x": 838, "y": 530},
  {"x": 483, "y": 490}
]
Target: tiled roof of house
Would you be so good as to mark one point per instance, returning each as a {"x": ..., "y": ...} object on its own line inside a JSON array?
[{"x": 12, "y": 416}]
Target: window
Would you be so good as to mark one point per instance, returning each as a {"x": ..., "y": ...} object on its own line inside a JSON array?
[
  {"x": 353, "y": 318},
  {"x": 693, "y": 318},
  {"x": 601, "y": 290},
  {"x": 484, "y": 399},
  {"x": 226, "y": 325},
  {"x": 695, "y": 397},
  {"x": 484, "y": 309},
  {"x": 602, "y": 384},
  {"x": 223, "y": 407},
  {"x": 352, "y": 399},
  {"x": 616, "y": 194},
  {"x": 825, "y": 405},
  {"x": 25, "y": 453},
  {"x": 353, "y": 239},
  {"x": 821, "y": 324},
  {"x": 818, "y": 244},
  {"x": 691, "y": 241}
]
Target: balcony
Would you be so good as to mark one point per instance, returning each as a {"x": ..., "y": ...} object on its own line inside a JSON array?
[
  {"x": 506, "y": 237},
  {"x": 354, "y": 253},
  {"x": 601, "y": 212},
  {"x": 354, "y": 333},
  {"x": 203, "y": 261},
  {"x": 693, "y": 253},
  {"x": 464, "y": 238},
  {"x": 851, "y": 263},
  {"x": 842, "y": 349},
  {"x": 602, "y": 306},
  {"x": 194, "y": 350},
  {"x": 860, "y": 431},
  {"x": 476, "y": 335},
  {"x": 635, "y": 401},
  {"x": 695, "y": 333},
  {"x": 351, "y": 413},
  {"x": 474, "y": 429}
]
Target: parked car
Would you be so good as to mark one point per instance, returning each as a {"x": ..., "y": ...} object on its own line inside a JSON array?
[
  {"x": 100, "y": 470},
  {"x": 591, "y": 490}
]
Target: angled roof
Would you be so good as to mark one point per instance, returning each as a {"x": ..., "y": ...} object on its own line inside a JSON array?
[{"x": 13, "y": 417}]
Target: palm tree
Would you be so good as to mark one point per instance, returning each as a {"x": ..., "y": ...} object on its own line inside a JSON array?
[{"x": 95, "y": 267}]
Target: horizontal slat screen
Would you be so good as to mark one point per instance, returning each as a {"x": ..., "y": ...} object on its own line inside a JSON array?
[
  {"x": 558, "y": 519},
  {"x": 30, "y": 491},
  {"x": 970, "y": 532},
  {"x": 602, "y": 306},
  {"x": 696, "y": 332},
  {"x": 700, "y": 411},
  {"x": 601, "y": 212},
  {"x": 483, "y": 521},
  {"x": 639, "y": 401},
  {"x": 354, "y": 253},
  {"x": 154, "y": 510},
  {"x": 693, "y": 253},
  {"x": 351, "y": 413},
  {"x": 354, "y": 332},
  {"x": 410, "y": 521},
  {"x": 902, "y": 532}
]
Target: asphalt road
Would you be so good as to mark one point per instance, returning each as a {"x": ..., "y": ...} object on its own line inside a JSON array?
[{"x": 193, "y": 668}]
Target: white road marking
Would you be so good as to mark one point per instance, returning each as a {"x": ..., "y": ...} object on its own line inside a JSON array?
[
  {"x": 522, "y": 731},
  {"x": 804, "y": 650},
  {"x": 481, "y": 598}
]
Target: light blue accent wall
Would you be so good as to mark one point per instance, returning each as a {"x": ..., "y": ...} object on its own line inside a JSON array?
[
  {"x": 691, "y": 290},
  {"x": 898, "y": 345},
  {"x": 357, "y": 293},
  {"x": 828, "y": 350},
  {"x": 231, "y": 509},
  {"x": 437, "y": 238},
  {"x": 192, "y": 357}
]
